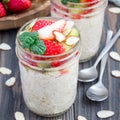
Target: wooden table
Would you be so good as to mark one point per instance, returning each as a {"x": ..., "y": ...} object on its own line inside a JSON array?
[{"x": 11, "y": 99}]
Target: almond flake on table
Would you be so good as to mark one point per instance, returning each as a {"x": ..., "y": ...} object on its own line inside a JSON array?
[
  {"x": 114, "y": 55},
  {"x": 115, "y": 10},
  {"x": 5, "y": 70},
  {"x": 81, "y": 118},
  {"x": 10, "y": 82},
  {"x": 105, "y": 113},
  {"x": 116, "y": 73},
  {"x": 19, "y": 116},
  {"x": 4, "y": 46}
]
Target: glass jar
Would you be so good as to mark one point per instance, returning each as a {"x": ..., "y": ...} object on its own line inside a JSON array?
[
  {"x": 88, "y": 17},
  {"x": 49, "y": 83}
]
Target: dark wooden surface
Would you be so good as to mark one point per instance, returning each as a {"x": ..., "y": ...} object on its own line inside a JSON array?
[{"x": 11, "y": 99}]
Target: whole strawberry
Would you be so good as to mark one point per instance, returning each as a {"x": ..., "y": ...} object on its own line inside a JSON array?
[
  {"x": 16, "y": 6},
  {"x": 2, "y": 10}
]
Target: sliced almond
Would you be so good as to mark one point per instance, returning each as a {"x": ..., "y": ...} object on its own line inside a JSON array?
[
  {"x": 105, "y": 113},
  {"x": 114, "y": 55},
  {"x": 115, "y": 10},
  {"x": 5, "y": 46},
  {"x": 81, "y": 118},
  {"x": 59, "y": 36},
  {"x": 5, "y": 70},
  {"x": 19, "y": 116},
  {"x": 72, "y": 40},
  {"x": 69, "y": 25},
  {"x": 116, "y": 73},
  {"x": 10, "y": 82}
]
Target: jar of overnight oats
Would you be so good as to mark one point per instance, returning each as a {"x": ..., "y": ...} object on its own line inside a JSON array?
[
  {"x": 49, "y": 81},
  {"x": 88, "y": 16}
]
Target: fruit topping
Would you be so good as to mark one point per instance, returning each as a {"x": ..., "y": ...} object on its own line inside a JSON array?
[
  {"x": 53, "y": 48},
  {"x": 40, "y": 24},
  {"x": 47, "y": 38},
  {"x": 47, "y": 31}
]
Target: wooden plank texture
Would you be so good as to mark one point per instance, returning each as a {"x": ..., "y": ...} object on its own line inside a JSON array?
[{"x": 11, "y": 99}]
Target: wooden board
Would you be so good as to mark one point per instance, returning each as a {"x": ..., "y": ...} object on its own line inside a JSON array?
[{"x": 39, "y": 8}]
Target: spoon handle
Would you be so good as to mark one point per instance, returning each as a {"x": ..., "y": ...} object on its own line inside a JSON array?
[
  {"x": 107, "y": 47},
  {"x": 104, "y": 59}
]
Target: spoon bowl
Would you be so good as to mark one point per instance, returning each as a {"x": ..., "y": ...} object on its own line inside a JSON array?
[
  {"x": 97, "y": 92},
  {"x": 88, "y": 74}
]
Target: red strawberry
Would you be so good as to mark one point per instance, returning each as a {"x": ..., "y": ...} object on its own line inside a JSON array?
[
  {"x": 41, "y": 23},
  {"x": 2, "y": 10},
  {"x": 17, "y": 5},
  {"x": 53, "y": 48},
  {"x": 46, "y": 33}
]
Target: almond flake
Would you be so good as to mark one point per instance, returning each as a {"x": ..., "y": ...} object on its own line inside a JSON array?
[
  {"x": 5, "y": 46},
  {"x": 81, "y": 118},
  {"x": 115, "y": 56},
  {"x": 19, "y": 116},
  {"x": 59, "y": 36},
  {"x": 5, "y": 70},
  {"x": 116, "y": 73},
  {"x": 72, "y": 40},
  {"x": 10, "y": 82},
  {"x": 105, "y": 113},
  {"x": 115, "y": 10}
]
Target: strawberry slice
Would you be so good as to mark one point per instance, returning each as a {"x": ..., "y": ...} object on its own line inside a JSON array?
[
  {"x": 46, "y": 33},
  {"x": 40, "y": 24}
]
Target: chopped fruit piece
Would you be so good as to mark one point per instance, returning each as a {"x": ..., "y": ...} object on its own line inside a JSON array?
[
  {"x": 46, "y": 33},
  {"x": 74, "y": 32},
  {"x": 40, "y": 24},
  {"x": 59, "y": 25},
  {"x": 53, "y": 48},
  {"x": 59, "y": 36},
  {"x": 87, "y": 0},
  {"x": 72, "y": 40},
  {"x": 64, "y": 71},
  {"x": 76, "y": 16}
]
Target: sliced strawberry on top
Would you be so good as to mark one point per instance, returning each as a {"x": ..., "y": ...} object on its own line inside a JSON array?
[
  {"x": 53, "y": 48},
  {"x": 46, "y": 33},
  {"x": 40, "y": 24}
]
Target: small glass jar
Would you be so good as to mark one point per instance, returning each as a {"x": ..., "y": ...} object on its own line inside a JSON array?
[
  {"x": 49, "y": 83},
  {"x": 88, "y": 17}
]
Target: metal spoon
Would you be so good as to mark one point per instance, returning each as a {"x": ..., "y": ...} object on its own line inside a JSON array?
[
  {"x": 98, "y": 91},
  {"x": 90, "y": 74}
]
